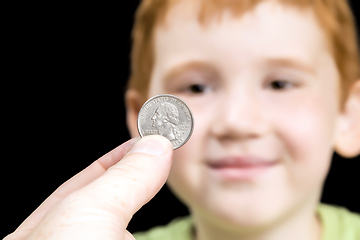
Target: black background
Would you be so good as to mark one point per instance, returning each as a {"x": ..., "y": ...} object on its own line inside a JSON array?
[{"x": 66, "y": 69}]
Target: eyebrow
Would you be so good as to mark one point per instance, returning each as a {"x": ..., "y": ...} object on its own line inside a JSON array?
[
  {"x": 291, "y": 63},
  {"x": 211, "y": 70},
  {"x": 200, "y": 66}
]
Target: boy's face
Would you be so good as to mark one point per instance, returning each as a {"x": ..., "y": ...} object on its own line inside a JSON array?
[{"x": 263, "y": 89}]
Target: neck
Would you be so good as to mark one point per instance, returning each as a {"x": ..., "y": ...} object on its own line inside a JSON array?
[{"x": 303, "y": 224}]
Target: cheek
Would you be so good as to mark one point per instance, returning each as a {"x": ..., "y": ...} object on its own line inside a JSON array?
[
  {"x": 186, "y": 173},
  {"x": 306, "y": 133},
  {"x": 193, "y": 149}
]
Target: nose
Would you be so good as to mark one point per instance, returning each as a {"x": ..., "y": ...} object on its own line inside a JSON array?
[{"x": 239, "y": 116}]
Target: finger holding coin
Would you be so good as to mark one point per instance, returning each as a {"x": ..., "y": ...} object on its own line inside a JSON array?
[{"x": 166, "y": 115}]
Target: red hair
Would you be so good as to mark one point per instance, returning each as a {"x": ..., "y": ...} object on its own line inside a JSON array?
[{"x": 334, "y": 16}]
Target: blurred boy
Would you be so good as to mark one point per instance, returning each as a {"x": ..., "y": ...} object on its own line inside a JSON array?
[{"x": 269, "y": 86}]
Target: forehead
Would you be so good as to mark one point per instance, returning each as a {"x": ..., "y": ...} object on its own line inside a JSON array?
[{"x": 270, "y": 29}]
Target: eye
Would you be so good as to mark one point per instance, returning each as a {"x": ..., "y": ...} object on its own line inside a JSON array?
[
  {"x": 280, "y": 85},
  {"x": 196, "y": 88}
]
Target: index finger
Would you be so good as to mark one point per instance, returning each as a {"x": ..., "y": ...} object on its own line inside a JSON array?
[{"x": 83, "y": 178}]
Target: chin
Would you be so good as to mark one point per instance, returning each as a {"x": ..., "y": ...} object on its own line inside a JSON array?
[
  {"x": 244, "y": 211},
  {"x": 247, "y": 219}
]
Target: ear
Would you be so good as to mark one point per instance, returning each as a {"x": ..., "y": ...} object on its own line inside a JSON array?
[
  {"x": 348, "y": 140},
  {"x": 133, "y": 103}
]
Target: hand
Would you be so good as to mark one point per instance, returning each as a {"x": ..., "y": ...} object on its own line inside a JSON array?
[{"x": 99, "y": 202}]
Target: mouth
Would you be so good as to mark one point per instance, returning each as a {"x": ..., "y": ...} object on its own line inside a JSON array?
[{"x": 240, "y": 168}]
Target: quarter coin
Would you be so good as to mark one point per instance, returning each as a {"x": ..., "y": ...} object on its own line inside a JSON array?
[{"x": 166, "y": 115}]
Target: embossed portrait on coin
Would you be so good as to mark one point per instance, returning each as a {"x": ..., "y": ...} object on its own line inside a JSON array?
[{"x": 165, "y": 120}]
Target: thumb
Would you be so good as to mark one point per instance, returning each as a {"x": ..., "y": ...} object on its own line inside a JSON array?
[
  {"x": 103, "y": 208},
  {"x": 133, "y": 181}
]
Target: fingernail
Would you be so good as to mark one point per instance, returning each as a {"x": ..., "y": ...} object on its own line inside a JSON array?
[{"x": 154, "y": 145}]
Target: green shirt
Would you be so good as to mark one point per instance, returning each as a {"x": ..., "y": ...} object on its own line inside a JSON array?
[{"x": 338, "y": 224}]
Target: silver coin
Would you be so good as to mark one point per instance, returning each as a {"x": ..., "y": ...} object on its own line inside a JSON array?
[{"x": 166, "y": 115}]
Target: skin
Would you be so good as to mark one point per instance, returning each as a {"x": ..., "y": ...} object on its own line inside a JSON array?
[
  {"x": 297, "y": 127},
  {"x": 99, "y": 201}
]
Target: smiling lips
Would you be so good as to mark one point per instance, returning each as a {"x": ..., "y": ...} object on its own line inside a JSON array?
[{"x": 240, "y": 168}]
